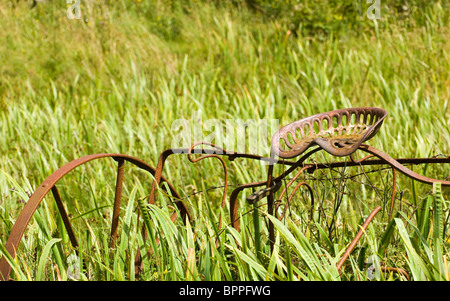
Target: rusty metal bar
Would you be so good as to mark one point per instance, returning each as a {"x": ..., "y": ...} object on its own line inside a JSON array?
[
  {"x": 262, "y": 193},
  {"x": 394, "y": 184},
  {"x": 270, "y": 207},
  {"x": 357, "y": 238},
  {"x": 395, "y": 164},
  {"x": 312, "y": 167},
  {"x": 231, "y": 156},
  {"x": 396, "y": 270},
  {"x": 117, "y": 201},
  {"x": 65, "y": 218}
]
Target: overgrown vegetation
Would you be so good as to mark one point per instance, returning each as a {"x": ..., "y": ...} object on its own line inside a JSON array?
[{"x": 115, "y": 81}]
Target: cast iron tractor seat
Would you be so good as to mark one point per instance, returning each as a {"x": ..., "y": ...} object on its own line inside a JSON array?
[{"x": 338, "y": 132}]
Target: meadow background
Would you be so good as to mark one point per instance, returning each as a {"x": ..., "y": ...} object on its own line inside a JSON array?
[{"x": 115, "y": 80}]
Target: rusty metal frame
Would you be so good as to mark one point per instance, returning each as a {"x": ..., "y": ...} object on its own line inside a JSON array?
[
  {"x": 49, "y": 184},
  {"x": 339, "y": 138}
]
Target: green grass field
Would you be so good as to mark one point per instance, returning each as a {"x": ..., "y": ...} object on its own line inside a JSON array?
[{"x": 117, "y": 79}]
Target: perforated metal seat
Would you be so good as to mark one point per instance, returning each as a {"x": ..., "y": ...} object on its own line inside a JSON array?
[{"x": 339, "y": 132}]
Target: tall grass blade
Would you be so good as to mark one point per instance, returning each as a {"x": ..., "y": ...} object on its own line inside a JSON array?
[
  {"x": 13, "y": 263},
  {"x": 438, "y": 230},
  {"x": 302, "y": 247},
  {"x": 44, "y": 258},
  {"x": 417, "y": 266},
  {"x": 388, "y": 234}
]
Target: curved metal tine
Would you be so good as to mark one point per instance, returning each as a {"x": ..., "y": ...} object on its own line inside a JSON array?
[
  {"x": 233, "y": 202},
  {"x": 292, "y": 181},
  {"x": 224, "y": 196},
  {"x": 65, "y": 218},
  {"x": 157, "y": 181},
  {"x": 395, "y": 164},
  {"x": 235, "y": 193},
  {"x": 291, "y": 195},
  {"x": 117, "y": 201}
]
